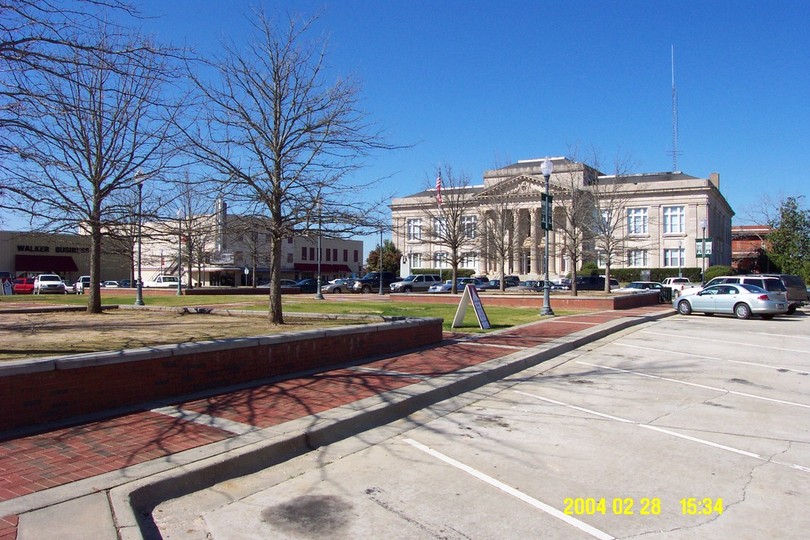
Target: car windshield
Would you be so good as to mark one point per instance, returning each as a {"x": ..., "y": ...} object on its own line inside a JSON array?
[{"x": 50, "y": 278}]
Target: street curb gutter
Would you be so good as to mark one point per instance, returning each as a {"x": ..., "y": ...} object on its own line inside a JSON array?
[{"x": 132, "y": 503}]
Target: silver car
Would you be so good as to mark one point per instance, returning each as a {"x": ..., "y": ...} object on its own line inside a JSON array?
[
  {"x": 337, "y": 286},
  {"x": 741, "y": 300}
]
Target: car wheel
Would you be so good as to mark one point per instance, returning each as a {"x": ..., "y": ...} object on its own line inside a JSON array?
[
  {"x": 684, "y": 308},
  {"x": 407, "y": 289},
  {"x": 366, "y": 289},
  {"x": 791, "y": 309},
  {"x": 742, "y": 311},
  {"x": 767, "y": 317},
  {"x": 336, "y": 290}
]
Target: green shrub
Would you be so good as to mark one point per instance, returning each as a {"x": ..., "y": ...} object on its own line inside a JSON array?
[{"x": 718, "y": 270}]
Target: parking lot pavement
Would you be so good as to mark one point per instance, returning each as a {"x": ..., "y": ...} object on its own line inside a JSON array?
[
  {"x": 688, "y": 427},
  {"x": 41, "y": 472}
]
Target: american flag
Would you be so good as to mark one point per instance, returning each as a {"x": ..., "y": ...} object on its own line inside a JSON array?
[{"x": 439, "y": 188}]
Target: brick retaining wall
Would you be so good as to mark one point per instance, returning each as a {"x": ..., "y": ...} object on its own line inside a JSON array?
[{"x": 51, "y": 390}]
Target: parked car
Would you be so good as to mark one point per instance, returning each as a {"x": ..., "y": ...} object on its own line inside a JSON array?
[
  {"x": 447, "y": 286},
  {"x": 337, "y": 286},
  {"x": 162, "y": 281},
  {"x": 740, "y": 299},
  {"x": 770, "y": 284},
  {"x": 23, "y": 285},
  {"x": 417, "y": 283},
  {"x": 371, "y": 282},
  {"x": 81, "y": 284},
  {"x": 530, "y": 285},
  {"x": 110, "y": 283},
  {"x": 287, "y": 283},
  {"x": 309, "y": 285},
  {"x": 495, "y": 284},
  {"x": 797, "y": 291},
  {"x": 594, "y": 283},
  {"x": 561, "y": 284},
  {"x": 639, "y": 287},
  {"x": 444, "y": 287},
  {"x": 49, "y": 283}
]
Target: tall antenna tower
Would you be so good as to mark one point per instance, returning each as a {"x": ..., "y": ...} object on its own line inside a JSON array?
[{"x": 675, "y": 152}]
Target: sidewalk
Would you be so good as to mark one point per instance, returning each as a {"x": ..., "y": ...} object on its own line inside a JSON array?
[{"x": 62, "y": 483}]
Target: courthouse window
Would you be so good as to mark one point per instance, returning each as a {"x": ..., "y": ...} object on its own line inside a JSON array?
[
  {"x": 674, "y": 257},
  {"x": 674, "y": 219},
  {"x": 414, "y": 227},
  {"x": 637, "y": 258},
  {"x": 469, "y": 225},
  {"x": 637, "y": 221}
]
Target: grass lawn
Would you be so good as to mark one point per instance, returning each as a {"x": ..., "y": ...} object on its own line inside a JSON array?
[{"x": 499, "y": 317}]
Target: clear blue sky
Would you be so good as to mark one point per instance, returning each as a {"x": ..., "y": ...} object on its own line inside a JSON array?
[{"x": 477, "y": 85}]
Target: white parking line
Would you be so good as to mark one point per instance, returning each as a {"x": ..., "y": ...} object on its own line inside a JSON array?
[
  {"x": 715, "y": 388},
  {"x": 550, "y": 510},
  {"x": 778, "y": 368},
  {"x": 684, "y": 336},
  {"x": 669, "y": 432}
]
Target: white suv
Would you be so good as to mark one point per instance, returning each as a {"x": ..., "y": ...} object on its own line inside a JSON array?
[{"x": 48, "y": 283}]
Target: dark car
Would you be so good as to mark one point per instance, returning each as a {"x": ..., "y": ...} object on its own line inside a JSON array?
[
  {"x": 309, "y": 285},
  {"x": 797, "y": 294},
  {"x": 371, "y": 282},
  {"x": 534, "y": 285},
  {"x": 594, "y": 283}
]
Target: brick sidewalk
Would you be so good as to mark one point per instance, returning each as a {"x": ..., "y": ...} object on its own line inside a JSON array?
[{"x": 39, "y": 462}]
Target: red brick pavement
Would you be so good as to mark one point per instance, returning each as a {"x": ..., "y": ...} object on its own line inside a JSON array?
[{"x": 61, "y": 456}]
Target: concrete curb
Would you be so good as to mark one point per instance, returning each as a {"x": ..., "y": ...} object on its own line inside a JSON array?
[{"x": 132, "y": 502}]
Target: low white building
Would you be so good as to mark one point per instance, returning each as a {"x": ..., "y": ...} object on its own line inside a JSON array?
[{"x": 223, "y": 249}]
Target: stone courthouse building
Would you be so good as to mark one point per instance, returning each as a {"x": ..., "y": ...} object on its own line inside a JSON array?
[{"x": 664, "y": 217}]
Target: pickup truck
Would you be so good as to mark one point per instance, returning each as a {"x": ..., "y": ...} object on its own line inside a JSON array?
[
  {"x": 161, "y": 281},
  {"x": 679, "y": 284},
  {"x": 371, "y": 282}
]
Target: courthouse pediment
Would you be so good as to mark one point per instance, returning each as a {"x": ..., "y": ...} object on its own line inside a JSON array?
[{"x": 515, "y": 187}]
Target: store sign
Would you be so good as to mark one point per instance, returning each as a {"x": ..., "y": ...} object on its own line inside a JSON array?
[
  {"x": 546, "y": 217},
  {"x": 24, "y": 248}
]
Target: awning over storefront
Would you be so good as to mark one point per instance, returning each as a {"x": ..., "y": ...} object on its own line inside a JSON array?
[
  {"x": 312, "y": 267},
  {"x": 45, "y": 263}
]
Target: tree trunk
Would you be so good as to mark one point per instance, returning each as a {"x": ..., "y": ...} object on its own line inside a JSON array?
[{"x": 276, "y": 316}]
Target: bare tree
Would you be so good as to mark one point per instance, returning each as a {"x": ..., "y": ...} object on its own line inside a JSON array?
[
  {"x": 611, "y": 197},
  {"x": 279, "y": 137},
  {"x": 452, "y": 219},
  {"x": 94, "y": 125},
  {"x": 37, "y": 37},
  {"x": 199, "y": 224},
  {"x": 498, "y": 224},
  {"x": 574, "y": 218}
]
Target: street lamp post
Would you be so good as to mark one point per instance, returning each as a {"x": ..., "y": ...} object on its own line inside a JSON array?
[
  {"x": 546, "y": 168},
  {"x": 179, "y": 253},
  {"x": 139, "y": 285},
  {"x": 703, "y": 253},
  {"x": 318, "y": 293},
  {"x": 381, "y": 262}
]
